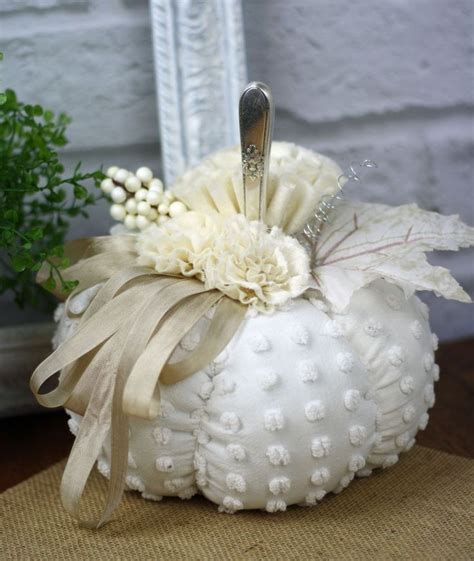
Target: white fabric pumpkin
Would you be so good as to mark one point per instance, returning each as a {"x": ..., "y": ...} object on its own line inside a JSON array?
[
  {"x": 307, "y": 397},
  {"x": 299, "y": 403}
]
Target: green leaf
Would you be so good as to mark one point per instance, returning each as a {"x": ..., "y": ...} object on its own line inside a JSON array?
[
  {"x": 35, "y": 233},
  {"x": 50, "y": 283},
  {"x": 19, "y": 262},
  {"x": 80, "y": 192},
  {"x": 11, "y": 215}
]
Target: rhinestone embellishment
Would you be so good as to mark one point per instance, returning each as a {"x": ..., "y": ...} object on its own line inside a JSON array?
[{"x": 252, "y": 162}]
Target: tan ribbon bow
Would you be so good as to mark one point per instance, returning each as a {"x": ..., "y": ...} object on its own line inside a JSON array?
[{"x": 136, "y": 319}]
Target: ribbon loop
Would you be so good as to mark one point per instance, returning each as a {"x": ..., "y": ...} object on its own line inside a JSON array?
[{"x": 136, "y": 319}]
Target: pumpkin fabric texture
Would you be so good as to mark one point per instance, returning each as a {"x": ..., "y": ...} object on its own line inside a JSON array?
[{"x": 298, "y": 404}]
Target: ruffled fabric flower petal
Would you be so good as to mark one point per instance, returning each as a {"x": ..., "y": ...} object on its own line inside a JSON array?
[
  {"x": 298, "y": 179},
  {"x": 260, "y": 268}
]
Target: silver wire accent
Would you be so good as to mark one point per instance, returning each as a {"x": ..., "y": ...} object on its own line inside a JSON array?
[{"x": 328, "y": 203}]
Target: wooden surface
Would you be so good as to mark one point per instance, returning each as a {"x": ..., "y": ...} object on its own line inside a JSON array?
[{"x": 32, "y": 443}]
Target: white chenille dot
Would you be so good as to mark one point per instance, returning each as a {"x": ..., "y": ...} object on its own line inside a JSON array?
[
  {"x": 408, "y": 414},
  {"x": 356, "y": 462},
  {"x": 268, "y": 380},
  {"x": 417, "y": 329},
  {"x": 314, "y": 496},
  {"x": 423, "y": 422},
  {"x": 357, "y": 435},
  {"x": 236, "y": 451},
  {"x": 278, "y": 455},
  {"x": 164, "y": 464},
  {"x": 402, "y": 439},
  {"x": 428, "y": 362},
  {"x": 345, "y": 362},
  {"x": 373, "y": 327},
  {"x": 273, "y": 419},
  {"x": 73, "y": 426},
  {"x": 320, "y": 476},
  {"x": 315, "y": 410},
  {"x": 235, "y": 482},
  {"x": 175, "y": 485},
  {"x": 162, "y": 435},
  {"x": 320, "y": 446},
  {"x": 224, "y": 385},
  {"x": 202, "y": 437},
  {"x": 435, "y": 372},
  {"x": 407, "y": 385},
  {"x": 166, "y": 409},
  {"x": 429, "y": 395},
  {"x": 135, "y": 483},
  {"x": 279, "y": 485},
  {"x": 366, "y": 472},
  {"x": 199, "y": 463},
  {"x": 434, "y": 341},
  {"x": 206, "y": 390},
  {"x": 393, "y": 302},
  {"x": 410, "y": 445},
  {"x": 259, "y": 343},
  {"x": 230, "y": 505},
  {"x": 299, "y": 334},
  {"x": 352, "y": 400},
  {"x": 276, "y": 505},
  {"x": 104, "y": 468},
  {"x": 307, "y": 370},
  {"x": 333, "y": 329},
  {"x": 390, "y": 461},
  {"x": 200, "y": 415},
  {"x": 190, "y": 341},
  {"x": 144, "y": 174},
  {"x": 344, "y": 482},
  {"x": 396, "y": 355},
  {"x": 187, "y": 493},
  {"x": 230, "y": 421}
]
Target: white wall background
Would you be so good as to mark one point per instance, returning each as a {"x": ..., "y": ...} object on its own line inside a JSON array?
[{"x": 391, "y": 81}]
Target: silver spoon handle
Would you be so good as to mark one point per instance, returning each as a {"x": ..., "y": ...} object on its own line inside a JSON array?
[{"x": 256, "y": 123}]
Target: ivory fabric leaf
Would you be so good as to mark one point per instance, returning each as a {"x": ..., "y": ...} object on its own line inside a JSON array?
[{"x": 367, "y": 241}]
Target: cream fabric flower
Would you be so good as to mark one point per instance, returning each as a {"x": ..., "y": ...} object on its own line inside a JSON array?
[
  {"x": 298, "y": 179},
  {"x": 242, "y": 259}
]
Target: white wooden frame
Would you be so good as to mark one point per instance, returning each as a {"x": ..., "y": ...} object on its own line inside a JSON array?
[{"x": 200, "y": 71}]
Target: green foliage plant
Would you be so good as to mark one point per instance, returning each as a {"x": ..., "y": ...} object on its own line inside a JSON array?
[{"x": 37, "y": 200}]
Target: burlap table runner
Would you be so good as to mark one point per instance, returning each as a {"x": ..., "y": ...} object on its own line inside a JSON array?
[{"x": 420, "y": 509}]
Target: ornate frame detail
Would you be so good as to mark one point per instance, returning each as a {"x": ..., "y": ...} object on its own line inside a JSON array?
[{"x": 200, "y": 72}]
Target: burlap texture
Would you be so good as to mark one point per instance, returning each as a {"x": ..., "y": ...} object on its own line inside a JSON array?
[{"x": 420, "y": 509}]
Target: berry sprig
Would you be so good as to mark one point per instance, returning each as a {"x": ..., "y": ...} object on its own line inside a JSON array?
[{"x": 139, "y": 199}]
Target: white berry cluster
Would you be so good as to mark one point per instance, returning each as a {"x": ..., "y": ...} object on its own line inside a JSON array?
[{"x": 139, "y": 199}]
